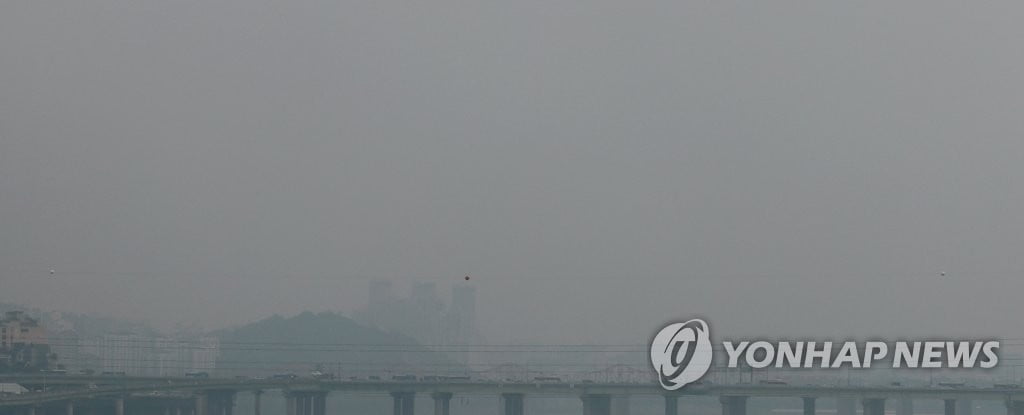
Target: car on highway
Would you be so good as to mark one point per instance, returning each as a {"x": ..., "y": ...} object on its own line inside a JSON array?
[{"x": 284, "y": 376}]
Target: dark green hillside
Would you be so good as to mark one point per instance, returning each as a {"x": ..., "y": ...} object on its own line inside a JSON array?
[{"x": 328, "y": 342}]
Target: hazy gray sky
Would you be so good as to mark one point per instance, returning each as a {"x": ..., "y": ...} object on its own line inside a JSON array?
[{"x": 599, "y": 167}]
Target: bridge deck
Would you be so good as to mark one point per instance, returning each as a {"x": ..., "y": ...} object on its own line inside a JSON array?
[{"x": 116, "y": 386}]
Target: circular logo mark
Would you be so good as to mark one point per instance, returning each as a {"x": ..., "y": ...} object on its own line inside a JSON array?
[{"x": 681, "y": 353}]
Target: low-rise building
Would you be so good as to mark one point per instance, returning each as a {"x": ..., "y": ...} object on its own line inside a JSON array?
[
  {"x": 23, "y": 344},
  {"x": 17, "y": 327}
]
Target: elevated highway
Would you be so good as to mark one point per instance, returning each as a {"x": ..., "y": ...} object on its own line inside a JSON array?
[{"x": 215, "y": 396}]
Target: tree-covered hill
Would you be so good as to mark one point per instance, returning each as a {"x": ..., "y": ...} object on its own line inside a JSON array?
[{"x": 327, "y": 342}]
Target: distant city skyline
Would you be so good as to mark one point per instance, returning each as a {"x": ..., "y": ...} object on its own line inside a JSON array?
[{"x": 424, "y": 316}]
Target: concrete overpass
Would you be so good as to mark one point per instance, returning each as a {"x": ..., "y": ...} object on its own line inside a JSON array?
[{"x": 189, "y": 396}]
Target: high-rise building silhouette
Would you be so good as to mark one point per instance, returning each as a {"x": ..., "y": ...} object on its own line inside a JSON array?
[{"x": 424, "y": 316}]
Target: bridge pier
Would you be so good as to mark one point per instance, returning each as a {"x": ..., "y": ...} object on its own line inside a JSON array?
[
  {"x": 671, "y": 404},
  {"x": 874, "y": 406},
  {"x": 846, "y": 406},
  {"x": 597, "y": 404},
  {"x": 200, "y": 405},
  {"x": 306, "y": 403},
  {"x": 302, "y": 404},
  {"x": 964, "y": 407},
  {"x": 256, "y": 401},
  {"x": 215, "y": 402},
  {"x": 809, "y": 405},
  {"x": 403, "y": 403},
  {"x": 118, "y": 406},
  {"x": 320, "y": 403},
  {"x": 512, "y": 404},
  {"x": 906, "y": 407},
  {"x": 69, "y": 408},
  {"x": 1014, "y": 407},
  {"x": 733, "y": 405},
  {"x": 620, "y": 405},
  {"x": 442, "y": 403},
  {"x": 949, "y": 406}
]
